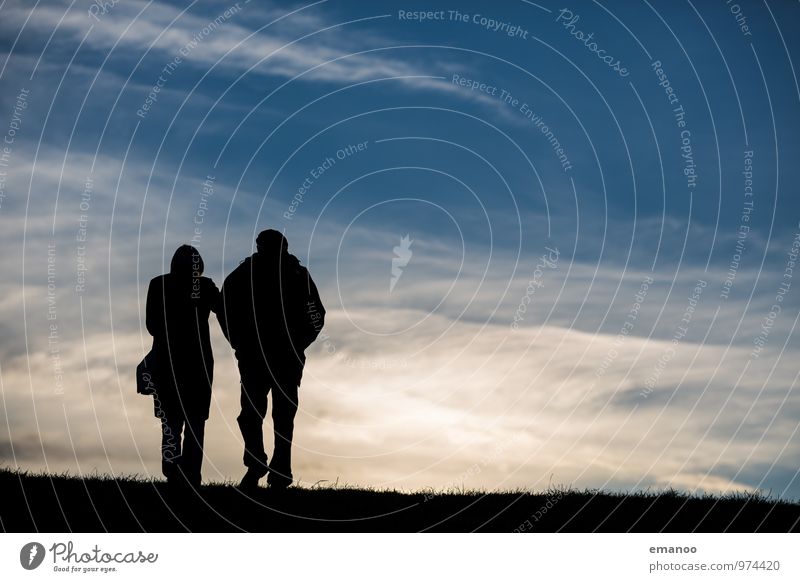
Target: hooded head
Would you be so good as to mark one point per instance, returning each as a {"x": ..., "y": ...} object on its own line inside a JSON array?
[
  {"x": 271, "y": 243},
  {"x": 186, "y": 262}
]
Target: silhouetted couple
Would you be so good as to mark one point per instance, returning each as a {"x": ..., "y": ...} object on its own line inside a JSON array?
[{"x": 270, "y": 312}]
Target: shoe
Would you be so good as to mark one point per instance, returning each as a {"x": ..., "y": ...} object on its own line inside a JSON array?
[
  {"x": 193, "y": 483},
  {"x": 170, "y": 470},
  {"x": 177, "y": 490},
  {"x": 250, "y": 480},
  {"x": 181, "y": 484},
  {"x": 278, "y": 481}
]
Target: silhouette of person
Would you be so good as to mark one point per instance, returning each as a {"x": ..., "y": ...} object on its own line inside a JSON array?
[
  {"x": 178, "y": 307},
  {"x": 270, "y": 312}
]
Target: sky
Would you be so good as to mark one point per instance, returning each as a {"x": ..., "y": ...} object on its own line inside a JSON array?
[{"x": 556, "y": 242}]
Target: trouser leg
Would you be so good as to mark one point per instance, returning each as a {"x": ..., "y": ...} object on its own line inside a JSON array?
[
  {"x": 251, "y": 418},
  {"x": 284, "y": 410},
  {"x": 171, "y": 429},
  {"x": 192, "y": 455}
]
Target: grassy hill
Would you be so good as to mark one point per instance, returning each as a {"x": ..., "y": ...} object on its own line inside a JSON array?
[{"x": 35, "y": 502}]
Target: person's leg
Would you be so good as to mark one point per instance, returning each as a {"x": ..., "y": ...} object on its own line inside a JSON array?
[
  {"x": 284, "y": 409},
  {"x": 171, "y": 429},
  {"x": 251, "y": 418},
  {"x": 192, "y": 457}
]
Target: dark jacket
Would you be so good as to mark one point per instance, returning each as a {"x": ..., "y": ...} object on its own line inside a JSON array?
[
  {"x": 178, "y": 308},
  {"x": 271, "y": 310}
]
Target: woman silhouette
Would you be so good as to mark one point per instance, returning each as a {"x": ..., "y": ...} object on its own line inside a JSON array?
[{"x": 178, "y": 306}]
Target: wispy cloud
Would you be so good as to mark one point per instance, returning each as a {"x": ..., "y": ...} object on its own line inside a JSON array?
[
  {"x": 301, "y": 43},
  {"x": 293, "y": 44}
]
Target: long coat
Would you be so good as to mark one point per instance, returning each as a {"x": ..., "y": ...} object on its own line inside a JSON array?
[{"x": 178, "y": 308}]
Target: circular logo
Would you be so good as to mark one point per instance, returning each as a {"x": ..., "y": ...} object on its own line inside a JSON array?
[{"x": 31, "y": 555}]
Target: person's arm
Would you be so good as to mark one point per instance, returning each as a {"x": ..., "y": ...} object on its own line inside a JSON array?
[
  {"x": 226, "y": 303},
  {"x": 222, "y": 312},
  {"x": 214, "y": 296},
  {"x": 314, "y": 297},
  {"x": 313, "y": 318},
  {"x": 154, "y": 310}
]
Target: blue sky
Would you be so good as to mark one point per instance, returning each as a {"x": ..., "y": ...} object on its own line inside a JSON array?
[{"x": 544, "y": 146}]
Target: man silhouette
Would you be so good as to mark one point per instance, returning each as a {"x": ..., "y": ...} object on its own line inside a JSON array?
[{"x": 271, "y": 312}]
